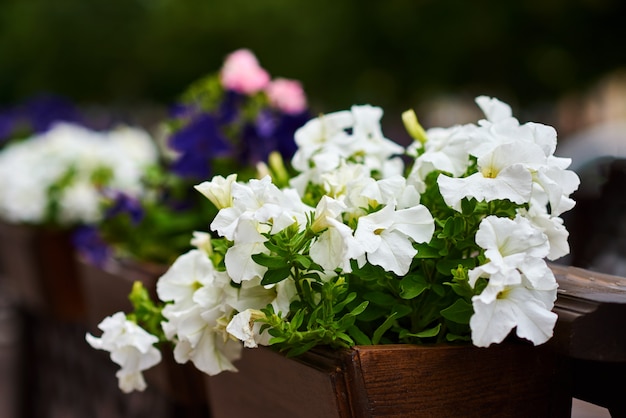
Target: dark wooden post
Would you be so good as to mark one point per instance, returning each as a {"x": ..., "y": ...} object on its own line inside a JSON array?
[{"x": 592, "y": 334}]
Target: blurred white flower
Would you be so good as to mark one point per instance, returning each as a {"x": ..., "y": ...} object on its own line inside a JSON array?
[{"x": 57, "y": 176}]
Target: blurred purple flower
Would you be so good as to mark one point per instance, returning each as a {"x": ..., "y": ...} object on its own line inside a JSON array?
[
  {"x": 37, "y": 115},
  {"x": 90, "y": 245},
  {"x": 198, "y": 143},
  {"x": 7, "y": 124},
  {"x": 125, "y": 204},
  {"x": 229, "y": 109},
  {"x": 44, "y": 110},
  {"x": 271, "y": 132},
  {"x": 285, "y": 130}
]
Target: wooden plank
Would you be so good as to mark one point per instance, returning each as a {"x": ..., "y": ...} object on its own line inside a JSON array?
[
  {"x": 592, "y": 310},
  {"x": 508, "y": 380}
]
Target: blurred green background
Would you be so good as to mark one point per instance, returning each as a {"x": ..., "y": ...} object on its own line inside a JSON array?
[{"x": 394, "y": 53}]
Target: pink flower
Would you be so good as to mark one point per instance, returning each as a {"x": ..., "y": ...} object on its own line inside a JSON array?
[
  {"x": 242, "y": 73},
  {"x": 287, "y": 95}
]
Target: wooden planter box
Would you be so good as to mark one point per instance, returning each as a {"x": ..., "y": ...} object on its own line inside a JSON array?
[
  {"x": 38, "y": 266},
  {"x": 106, "y": 291},
  {"x": 508, "y": 380}
]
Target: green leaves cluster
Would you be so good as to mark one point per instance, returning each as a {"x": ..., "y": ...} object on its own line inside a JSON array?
[{"x": 146, "y": 313}]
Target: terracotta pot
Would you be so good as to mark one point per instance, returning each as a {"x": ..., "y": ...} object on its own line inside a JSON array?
[
  {"x": 509, "y": 380},
  {"x": 106, "y": 291},
  {"x": 39, "y": 268}
]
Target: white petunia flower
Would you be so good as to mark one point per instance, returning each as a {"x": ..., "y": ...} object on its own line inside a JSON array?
[
  {"x": 336, "y": 246},
  {"x": 552, "y": 227},
  {"x": 446, "y": 149},
  {"x": 504, "y": 173},
  {"x": 243, "y": 327},
  {"x": 131, "y": 347},
  {"x": 196, "y": 292},
  {"x": 515, "y": 307},
  {"x": 387, "y": 236},
  {"x": 323, "y": 135},
  {"x": 218, "y": 190},
  {"x": 512, "y": 248}
]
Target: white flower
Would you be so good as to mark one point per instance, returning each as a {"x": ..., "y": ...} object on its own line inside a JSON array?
[
  {"x": 131, "y": 347},
  {"x": 328, "y": 141},
  {"x": 521, "y": 289},
  {"x": 323, "y": 135},
  {"x": 192, "y": 319},
  {"x": 514, "y": 307},
  {"x": 552, "y": 227},
  {"x": 512, "y": 248},
  {"x": 336, "y": 245},
  {"x": 494, "y": 109},
  {"x": 202, "y": 241},
  {"x": 369, "y": 143},
  {"x": 504, "y": 173},
  {"x": 387, "y": 236},
  {"x": 218, "y": 190},
  {"x": 238, "y": 259},
  {"x": 188, "y": 272},
  {"x": 446, "y": 149},
  {"x": 243, "y": 327},
  {"x": 557, "y": 185},
  {"x": 202, "y": 303},
  {"x": 259, "y": 201},
  {"x": 393, "y": 188}
]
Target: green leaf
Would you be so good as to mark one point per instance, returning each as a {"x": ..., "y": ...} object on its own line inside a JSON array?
[
  {"x": 402, "y": 310},
  {"x": 345, "y": 338},
  {"x": 378, "y": 334},
  {"x": 304, "y": 261},
  {"x": 468, "y": 206},
  {"x": 269, "y": 261},
  {"x": 372, "y": 312},
  {"x": 380, "y": 298},
  {"x": 273, "y": 247},
  {"x": 340, "y": 305},
  {"x": 359, "y": 309},
  {"x": 462, "y": 289},
  {"x": 413, "y": 286},
  {"x": 426, "y": 251},
  {"x": 297, "y": 320},
  {"x": 445, "y": 267},
  {"x": 460, "y": 311},
  {"x": 277, "y": 340},
  {"x": 272, "y": 276},
  {"x": 459, "y": 225},
  {"x": 448, "y": 229},
  {"x": 427, "y": 333},
  {"x": 301, "y": 349},
  {"x": 358, "y": 336},
  {"x": 454, "y": 337}
]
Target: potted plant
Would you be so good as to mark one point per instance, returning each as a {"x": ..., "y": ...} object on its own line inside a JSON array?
[
  {"x": 361, "y": 268},
  {"x": 53, "y": 179}
]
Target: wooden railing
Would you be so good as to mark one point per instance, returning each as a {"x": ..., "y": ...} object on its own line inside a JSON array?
[{"x": 591, "y": 333}]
